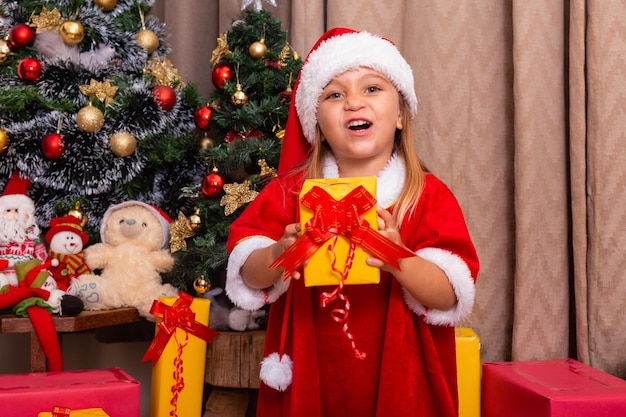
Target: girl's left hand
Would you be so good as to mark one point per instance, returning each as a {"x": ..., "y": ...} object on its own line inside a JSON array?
[{"x": 388, "y": 227}]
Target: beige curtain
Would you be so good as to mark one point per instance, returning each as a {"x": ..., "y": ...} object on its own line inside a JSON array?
[{"x": 522, "y": 113}]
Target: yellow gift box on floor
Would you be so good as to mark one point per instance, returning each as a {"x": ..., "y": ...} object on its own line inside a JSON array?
[
  {"x": 189, "y": 401},
  {"x": 468, "y": 371},
  {"x": 318, "y": 270}
]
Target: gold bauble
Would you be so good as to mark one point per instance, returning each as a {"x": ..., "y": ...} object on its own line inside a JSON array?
[
  {"x": 195, "y": 221},
  {"x": 258, "y": 49},
  {"x": 106, "y": 5},
  {"x": 148, "y": 40},
  {"x": 123, "y": 144},
  {"x": 72, "y": 32},
  {"x": 201, "y": 284},
  {"x": 4, "y": 140},
  {"x": 239, "y": 98},
  {"x": 206, "y": 142},
  {"x": 77, "y": 211},
  {"x": 4, "y": 50},
  {"x": 90, "y": 119}
]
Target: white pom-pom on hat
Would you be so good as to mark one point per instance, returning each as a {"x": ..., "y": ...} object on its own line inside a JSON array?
[{"x": 277, "y": 371}]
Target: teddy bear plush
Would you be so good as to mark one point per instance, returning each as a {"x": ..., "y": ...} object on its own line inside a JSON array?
[{"x": 131, "y": 257}]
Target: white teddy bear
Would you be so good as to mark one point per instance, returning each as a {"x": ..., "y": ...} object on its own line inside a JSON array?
[{"x": 131, "y": 258}]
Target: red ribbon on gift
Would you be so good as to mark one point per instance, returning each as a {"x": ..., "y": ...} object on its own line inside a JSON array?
[
  {"x": 332, "y": 218},
  {"x": 60, "y": 412},
  {"x": 177, "y": 316}
]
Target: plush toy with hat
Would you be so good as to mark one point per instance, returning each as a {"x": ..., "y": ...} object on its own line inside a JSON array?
[
  {"x": 20, "y": 238},
  {"x": 131, "y": 257},
  {"x": 66, "y": 240}
]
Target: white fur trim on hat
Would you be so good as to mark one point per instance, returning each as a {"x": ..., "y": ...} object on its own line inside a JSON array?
[
  {"x": 161, "y": 216},
  {"x": 343, "y": 52},
  {"x": 462, "y": 282}
]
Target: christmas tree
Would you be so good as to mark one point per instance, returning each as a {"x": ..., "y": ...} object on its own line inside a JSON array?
[
  {"x": 91, "y": 110},
  {"x": 254, "y": 68}
]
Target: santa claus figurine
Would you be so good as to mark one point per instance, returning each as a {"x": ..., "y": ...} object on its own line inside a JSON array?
[
  {"x": 66, "y": 240},
  {"x": 20, "y": 236}
]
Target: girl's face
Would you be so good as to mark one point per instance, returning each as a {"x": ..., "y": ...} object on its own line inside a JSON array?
[{"x": 358, "y": 114}]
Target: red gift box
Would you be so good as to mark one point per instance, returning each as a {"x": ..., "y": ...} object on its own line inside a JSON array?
[
  {"x": 111, "y": 389},
  {"x": 550, "y": 388}
]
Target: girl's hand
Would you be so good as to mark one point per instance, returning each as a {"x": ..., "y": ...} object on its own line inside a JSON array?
[
  {"x": 292, "y": 232},
  {"x": 388, "y": 227}
]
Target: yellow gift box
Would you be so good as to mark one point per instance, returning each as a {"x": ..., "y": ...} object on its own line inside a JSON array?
[
  {"x": 468, "y": 371},
  {"x": 318, "y": 270},
  {"x": 87, "y": 412},
  {"x": 189, "y": 401}
]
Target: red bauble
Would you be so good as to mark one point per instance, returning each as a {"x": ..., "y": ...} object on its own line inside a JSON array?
[
  {"x": 165, "y": 96},
  {"x": 29, "y": 70},
  {"x": 202, "y": 117},
  {"x": 21, "y": 36},
  {"x": 212, "y": 184},
  {"x": 220, "y": 74},
  {"x": 52, "y": 146}
]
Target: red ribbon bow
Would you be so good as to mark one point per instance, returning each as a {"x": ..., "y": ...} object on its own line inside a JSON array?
[
  {"x": 178, "y": 316},
  {"x": 332, "y": 218}
]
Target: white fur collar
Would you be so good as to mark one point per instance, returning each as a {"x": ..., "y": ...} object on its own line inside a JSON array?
[{"x": 390, "y": 179}]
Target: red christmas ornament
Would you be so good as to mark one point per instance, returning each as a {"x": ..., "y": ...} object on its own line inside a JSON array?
[
  {"x": 29, "y": 70},
  {"x": 52, "y": 146},
  {"x": 165, "y": 96},
  {"x": 21, "y": 36},
  {"x": 202, "y": 117},
  {"x": 220, "y": 74},
  {"x": 212, "y": 184}
]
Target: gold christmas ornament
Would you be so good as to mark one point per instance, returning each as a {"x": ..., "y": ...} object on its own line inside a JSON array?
[
  {"x": 78, "y": 212},
  {"x": 258, "y": 49},
  {"x": 72, "y": 32},
  {"x": 239, "y": 98},
  {"x": 4, "y": 140},
  {"x": 4, "y": 50},
  {"x": 90, "y": 119},
  {"x": 123, "y": 144},
  {"x": 236, "y": 196},
  {"x": 206, "y": 142},
  {"x": 221, "y": 50},
  {"x": 103, "y": 91},
  {"x": 265, "y": 168},
  {"x": 47, "y": 20},
  {"x": 179, "y": 231},
  {"x": 148, "y": 40},
  {"x": 106, "y": 5},
  {"x": 201, "y": 284},
  {"x": 164, "y": 73},
  {"x": 195, "y": 221}
]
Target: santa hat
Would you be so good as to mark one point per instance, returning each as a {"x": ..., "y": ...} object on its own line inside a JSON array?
[
  {"x": 66, "y": 224},
  {"x": 32, "y": 274},
  {"x": 337, "y": 51},
  {"x": 16, "y": 191},
  {"x": 163, "y": 218}
]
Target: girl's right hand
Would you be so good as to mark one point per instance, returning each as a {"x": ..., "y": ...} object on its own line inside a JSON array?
[{"x": 292, "y": 232}]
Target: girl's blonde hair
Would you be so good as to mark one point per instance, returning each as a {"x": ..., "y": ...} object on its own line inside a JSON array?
[{"x": 404, "y": 146}]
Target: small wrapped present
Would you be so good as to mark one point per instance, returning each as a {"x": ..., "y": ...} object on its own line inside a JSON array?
[
  {"x": 181, "y": 337},
  {"x": 339, "y": 232},
  {"x": 30, "y": 394},
  {"x": 66, "y": 412}
]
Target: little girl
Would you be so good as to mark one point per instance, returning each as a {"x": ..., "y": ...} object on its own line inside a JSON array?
[{"x": 354, "y": 100}]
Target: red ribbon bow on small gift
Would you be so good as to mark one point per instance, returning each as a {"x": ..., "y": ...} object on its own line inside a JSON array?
[
  {"x": 332, "y": 218},
  {"x": 178, "y": 316}
]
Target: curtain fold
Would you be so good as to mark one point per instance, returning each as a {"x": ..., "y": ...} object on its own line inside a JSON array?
[{"x": 521, "y": 113}]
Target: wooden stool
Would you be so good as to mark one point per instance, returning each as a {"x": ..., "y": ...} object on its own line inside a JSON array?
[{"x": 232, "y": 371}]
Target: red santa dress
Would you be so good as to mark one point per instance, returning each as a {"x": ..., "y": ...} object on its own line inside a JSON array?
[{"x": 410, "y": 363}]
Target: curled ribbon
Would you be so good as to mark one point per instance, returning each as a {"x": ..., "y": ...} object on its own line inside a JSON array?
[
  {"x": 332, "y": 218},
  {"x": 177, "y": 316}
]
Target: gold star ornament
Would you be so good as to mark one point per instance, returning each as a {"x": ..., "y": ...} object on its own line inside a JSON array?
[
  {"x": 103, "y": 91},
  {"x": 164, "y": 72},
  {"x": 179, "y": 231},
  {"x": 236, "y": 196},
  {"x": 47, "y": 20},
  {"x": 221, "y": 50}
]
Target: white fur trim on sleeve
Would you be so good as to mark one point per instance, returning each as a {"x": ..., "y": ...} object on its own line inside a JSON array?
[
  {"x": 462, "y": 282},
  {"x": 241, "y": 294}
]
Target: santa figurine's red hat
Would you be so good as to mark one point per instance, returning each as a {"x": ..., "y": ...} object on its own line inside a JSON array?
[
  {"x": 16, "y": 191},
  {"x": 66, "y": 224},
  {"x": 337, "y": 51}
]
